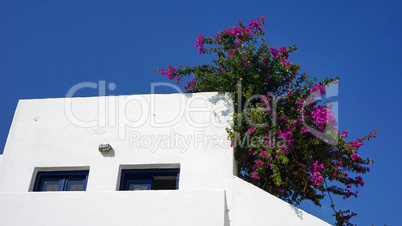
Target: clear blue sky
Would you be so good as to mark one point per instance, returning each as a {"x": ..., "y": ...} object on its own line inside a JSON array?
[{"x": 47, "y": 46}]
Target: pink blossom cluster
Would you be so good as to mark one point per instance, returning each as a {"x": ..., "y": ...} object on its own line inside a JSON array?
[
  {"x": 318, "y": 87},
  {"x": 171, "y": 72},
  {"x": 200, "y": 43},
  {"x": 317, "y": 178},
  {"x": 222, "y": 70},
  {"x": 241, "y": 33},
  {"x": 286, "y": 131},
  {"x": 301, "y": 101},
  {"x": 255, "y": 175},
  {"x": 356, "y": 144},
  {"x": 287, "y": 135},
  {"x": 320, "y": 116},
  {"x": 372, "y": 135},
  {"x": 281, "y": 192},
  {"x": 281, "y": 55},
  {"x": 191, "y": 86},
  {"x": 355, "y": 156},
  {"x": 323, "y": 116},
  {"x": 345, "y": 133},
  {"x": 257, "y": 24},
  {"x": 257, "y": 164},
  {"x": 360, "y": 182}
]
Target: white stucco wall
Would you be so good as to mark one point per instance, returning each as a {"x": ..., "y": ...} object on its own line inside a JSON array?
[
  {"x": 173, "y": 208},
  {"x": 44, "y": 135},
  {"x": 189, "y": 133},
  {"x": 257, "y": 207}
]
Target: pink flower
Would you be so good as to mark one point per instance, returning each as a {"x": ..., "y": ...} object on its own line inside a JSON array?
[
  {"x": 191, "y": 85},
  {"x": 274, "y": 52},
  {"x": 281, "y": 192},
  {"x": 200, "y": 43},
  {"x": 255, "y": 175},
  {"x": 301, "y": 101},
  {"x": 223, "y": 70},
  {"x": 321, "y": 90},
  {"x": 317, "y": 179},
  {"x": 170, "y": 73},
  {"x": 355, "y": 156}
]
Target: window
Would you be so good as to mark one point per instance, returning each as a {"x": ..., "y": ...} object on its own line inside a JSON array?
[
  {"x": 149, "y": 179},
  {"x": 61, "y": 181}
]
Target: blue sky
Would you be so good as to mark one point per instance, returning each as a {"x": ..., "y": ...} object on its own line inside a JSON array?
[{"x": 46, "y": 47}]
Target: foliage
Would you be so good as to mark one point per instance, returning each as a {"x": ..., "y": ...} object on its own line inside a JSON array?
[{"x": 285, "y": 140}]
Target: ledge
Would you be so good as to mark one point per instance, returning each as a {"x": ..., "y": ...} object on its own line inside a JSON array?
[{"x": 200, "y": 207}]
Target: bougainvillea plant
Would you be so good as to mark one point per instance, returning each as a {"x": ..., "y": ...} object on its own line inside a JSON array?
[{"x": 285, "y": 140}]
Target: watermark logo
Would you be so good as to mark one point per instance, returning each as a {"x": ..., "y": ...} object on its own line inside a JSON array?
[
  {"x": 197, "y": 111},
  {"x": 135, "y": 111},
  {"x": 177, "y": 141}
]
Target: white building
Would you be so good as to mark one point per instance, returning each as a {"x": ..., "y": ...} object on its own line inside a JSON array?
[{"x": 174, "y": 142}]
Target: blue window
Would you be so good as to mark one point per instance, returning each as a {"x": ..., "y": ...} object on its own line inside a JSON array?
[
  {"x": 61, "y": 180},
  {"x": 149, "y": 179}
]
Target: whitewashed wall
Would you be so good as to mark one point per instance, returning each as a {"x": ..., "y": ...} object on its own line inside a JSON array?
[
  {"x": 45, "y": 134},
  {"x": 57, "y": 134},
  {"x": 173, "y": 208}
]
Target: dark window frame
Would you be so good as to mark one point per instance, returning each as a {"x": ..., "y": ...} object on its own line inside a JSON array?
[
  {"x": 144, "y": 176},
  {"x": 62, "y": 176}
]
